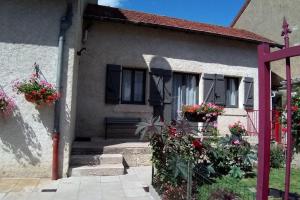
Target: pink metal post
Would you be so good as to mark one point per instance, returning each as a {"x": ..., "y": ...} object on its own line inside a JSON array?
[
  {"x": 285, "y": 33},
  {"x": 264, "y": 136},
  {"x": 264, "y": 59}
]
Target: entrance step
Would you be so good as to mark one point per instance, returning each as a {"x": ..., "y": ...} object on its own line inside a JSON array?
[
  {"x": 97, "y": 170},
  {"x": 135, "y": 153},
  {"x": 79, "y": 160}
]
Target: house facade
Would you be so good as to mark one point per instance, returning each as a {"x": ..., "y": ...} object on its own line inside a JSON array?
[
  {"x": 115, "y": 64},
  {"x": 197, "y": 63}
]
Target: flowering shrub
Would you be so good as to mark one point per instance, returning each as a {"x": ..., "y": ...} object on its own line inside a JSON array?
[
  {"x": 237, "y": 129},
  {"x": 174, "y": 145},
  {"x": 7, "y": 104},
  {"x": 295, "y": 120},
  {"x": 204, "y": 112},
  {"x": 37, "y": 91}
]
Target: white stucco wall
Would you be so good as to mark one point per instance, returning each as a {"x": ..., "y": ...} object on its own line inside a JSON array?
[
  {"x": 29, "y": 33},
  {"x": 140, "y": 47}
]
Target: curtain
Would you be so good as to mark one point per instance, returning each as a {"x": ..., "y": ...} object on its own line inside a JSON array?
[
  {"x": 138, "y": 86},
  {"x": 126, "y": 85},
  {"x": 184, "y": 93},
  {"x": 231, "y": 92}
]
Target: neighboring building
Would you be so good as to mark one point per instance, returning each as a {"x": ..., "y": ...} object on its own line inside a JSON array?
[
  {"x": 135, "y": 65},
  {"x": 265, "y": 18}
]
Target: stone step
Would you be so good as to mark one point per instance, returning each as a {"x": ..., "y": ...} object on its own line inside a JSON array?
[
  {"x": 83, "y": 148},
  {"x": 79, "y": 160},
  {"x": 97, "y": 170}
]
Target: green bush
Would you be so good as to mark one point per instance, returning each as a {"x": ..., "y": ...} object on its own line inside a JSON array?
[{"x": 277, "y": 158}]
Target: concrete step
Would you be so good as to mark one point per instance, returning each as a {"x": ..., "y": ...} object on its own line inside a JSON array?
[
  {"x": 83, "y": 148},
  {"x": 79, "y": 160},
  {"x": 97, "y": 170}
]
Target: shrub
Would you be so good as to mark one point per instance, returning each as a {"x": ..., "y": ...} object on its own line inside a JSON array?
[
  {"x": 223, "y": 194},
  {"x": 277, "y": 158},
  {"x": 174, "y": 192}
]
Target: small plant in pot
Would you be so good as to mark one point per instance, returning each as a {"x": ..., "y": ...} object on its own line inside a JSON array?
[
  {"x": 37, "y": 91},
  {"x": 237, "y": 130},
  {"x": 7, "y": 104},
  {"x": 205, "y": 112}
]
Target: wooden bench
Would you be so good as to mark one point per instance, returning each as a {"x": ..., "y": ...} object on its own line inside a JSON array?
[{"x": 121, "y": 127}]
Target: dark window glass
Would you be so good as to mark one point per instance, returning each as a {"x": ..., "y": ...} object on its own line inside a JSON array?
[{"x": 133, "y": 86}]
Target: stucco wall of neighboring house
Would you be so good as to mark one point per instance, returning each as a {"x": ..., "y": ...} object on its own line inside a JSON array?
[
  {"x": 29, "y": 34},
  {"x": 141, "y": 47},
  {"x": 265, "y": 18}
]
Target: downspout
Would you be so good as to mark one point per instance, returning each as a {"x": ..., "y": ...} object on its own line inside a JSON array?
[{"x": 65, "y": 24}]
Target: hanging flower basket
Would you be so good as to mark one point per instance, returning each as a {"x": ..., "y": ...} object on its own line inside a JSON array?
[
  {"x": 202, "y": 113},
  {"x": 37, "y": 91},
  {"x": 7, "y": 104}
]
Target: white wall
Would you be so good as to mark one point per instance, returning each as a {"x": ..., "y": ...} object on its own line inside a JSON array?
[
  {"x": 140, "y": 47},
  {"x": 29, "y": 33}
]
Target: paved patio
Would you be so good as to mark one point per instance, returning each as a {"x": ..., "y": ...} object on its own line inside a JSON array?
[{"x": 127, "y": 187}]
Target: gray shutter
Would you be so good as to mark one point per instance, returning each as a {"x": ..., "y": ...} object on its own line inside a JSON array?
[
  {"x": 209, "y": 88},
  {"x": 220, "y": 90},
  {"x": 156, "y": 87},
  {"x": 113, "y": 79},
  {"x": 249, "y": 93},
  {"x": 160, "y": 87}
]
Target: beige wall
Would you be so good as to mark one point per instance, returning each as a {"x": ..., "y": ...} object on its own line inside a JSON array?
[
  {"x": 265, "y": 18},
  {"x": 29, "y": 33},
  {"x": 140, "y": 47}
]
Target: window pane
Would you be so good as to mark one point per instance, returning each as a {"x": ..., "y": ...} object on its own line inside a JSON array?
[
  {"x": 191, "y": 90},
  {"x": 138, "y": 86},
  {"x": 231, "y": 92},
  {"x": 126, "y": 85}
]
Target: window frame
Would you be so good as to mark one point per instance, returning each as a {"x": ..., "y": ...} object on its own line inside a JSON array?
[
  {"x": 133, "y": 72},
  {"x": 237, "y": 81}
]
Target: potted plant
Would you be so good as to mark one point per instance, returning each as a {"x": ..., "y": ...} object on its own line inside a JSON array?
[
  {"x": 237, "y": 130},
  {"x": 7, "y": 104},
  {"x": 205, "y": 112},
  {"x": 37, "y": 91}
]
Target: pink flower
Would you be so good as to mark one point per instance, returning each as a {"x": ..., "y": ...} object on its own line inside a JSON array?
[{"x": 236, "y": 142}]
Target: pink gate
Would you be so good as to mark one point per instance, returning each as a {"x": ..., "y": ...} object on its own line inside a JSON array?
[{"x": 265, "y": 56}]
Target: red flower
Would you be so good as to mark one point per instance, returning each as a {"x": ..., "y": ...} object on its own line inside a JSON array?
[
  {"x": 197, "y": 144},
  {"x": 43, "y": 90},
  {"x": 294, "y": 108},
  {"x": 284, "y": 129},
  {"x": 172, "y": 131}
]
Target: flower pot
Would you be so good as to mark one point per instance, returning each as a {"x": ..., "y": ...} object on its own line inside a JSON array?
[
  {"x": 29, "y": 98},
  {"x": 199, "y": 117}
]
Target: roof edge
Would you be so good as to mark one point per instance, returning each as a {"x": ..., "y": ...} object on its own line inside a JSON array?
[
  {"x": 107, "y": 19},
  {"x": 242, "y": 10}
]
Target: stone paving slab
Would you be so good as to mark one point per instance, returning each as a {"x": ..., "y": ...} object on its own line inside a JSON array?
[{"x": 127, "y": 187}]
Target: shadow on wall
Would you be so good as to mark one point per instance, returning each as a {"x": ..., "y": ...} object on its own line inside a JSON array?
[
  {"x": 20, "y": 140},
  {"x": 161, "y": 87}
]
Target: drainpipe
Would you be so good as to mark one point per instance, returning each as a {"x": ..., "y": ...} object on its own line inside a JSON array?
[{"x": 65, "y": 24}]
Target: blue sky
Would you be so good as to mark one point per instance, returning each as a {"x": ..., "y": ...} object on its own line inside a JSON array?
[{"x": 219, "y": 12}]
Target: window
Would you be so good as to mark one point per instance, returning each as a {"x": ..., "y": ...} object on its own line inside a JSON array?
[
  {"x": 133, "y": 86},
  {"x": 231, "y": 92},
  {"x": 185, "y": 92}
]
